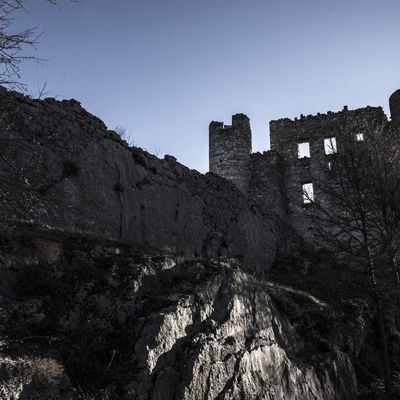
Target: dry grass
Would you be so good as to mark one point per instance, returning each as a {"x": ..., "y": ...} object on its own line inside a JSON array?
[{"x": 47, "y": 370}]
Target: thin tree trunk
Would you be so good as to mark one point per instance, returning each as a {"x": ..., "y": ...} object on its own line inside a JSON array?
[{"x": 381, "y": 323}]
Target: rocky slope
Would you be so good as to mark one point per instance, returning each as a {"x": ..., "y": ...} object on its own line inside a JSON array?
[
  {"x": 105, "y": 322},
  {"x": 63, "y": 168},
  {"x": 110, "y": 288}
]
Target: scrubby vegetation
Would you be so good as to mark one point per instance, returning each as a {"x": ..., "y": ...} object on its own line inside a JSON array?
[{"x": 75, "y": 322}]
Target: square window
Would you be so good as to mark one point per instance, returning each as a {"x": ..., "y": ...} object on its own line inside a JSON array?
[
  {"x": 308, "y": 193},
  {"x": 303, "y": 150},
  {"x": 360, "y": 137},
  {"x": 330, "y": 145}
]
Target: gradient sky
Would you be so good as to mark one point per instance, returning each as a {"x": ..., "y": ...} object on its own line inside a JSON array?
[{"x": 165, "y": 68}]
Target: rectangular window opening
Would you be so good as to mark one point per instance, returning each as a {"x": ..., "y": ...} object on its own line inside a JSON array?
[
  {"x": 308, "y": 193},
  {"x": 360, "y": 137},
  {"x": 330, "y": 145},
  {"x": 304, "y": 150}
]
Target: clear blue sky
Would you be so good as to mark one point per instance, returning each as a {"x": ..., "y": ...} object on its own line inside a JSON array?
[{"x": 166, "y": 68}]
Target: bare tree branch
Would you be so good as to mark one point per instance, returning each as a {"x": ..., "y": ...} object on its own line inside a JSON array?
[
  {"x": 357, "y": 211},
  {"x": 14, "y": 45}
]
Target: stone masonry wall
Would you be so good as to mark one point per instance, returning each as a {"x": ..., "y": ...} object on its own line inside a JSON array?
[
  {"x": 230, "y": 149},
  {"x": 267, "y": 189},
  {"x": 394, "y": 103},
  {"x": 77, "y": 176},
  {"x": 274, "y": 180},
  {"x": 286, "y": 135}
]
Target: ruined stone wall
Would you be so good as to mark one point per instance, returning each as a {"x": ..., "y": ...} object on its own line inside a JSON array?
[
  {"x": 230, "y": 149},
  {"x": 84, "y": 178},
  {"x": 394, "y": 104},
  {"x": 286, "y": 135},
  {"x": 267, "y": 188}
]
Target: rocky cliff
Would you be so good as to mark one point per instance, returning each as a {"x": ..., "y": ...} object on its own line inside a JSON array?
[
  {"x": 107, "y": 323},
  {"x": 63, "y": 169},
  {"x": 123, "y": 276}
]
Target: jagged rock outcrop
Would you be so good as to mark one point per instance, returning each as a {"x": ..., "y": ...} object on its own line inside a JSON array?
[
  {"x": 227, "y": 341},
  {"x": 136, "y": 327},
  {"x": 63, "y": 169}
]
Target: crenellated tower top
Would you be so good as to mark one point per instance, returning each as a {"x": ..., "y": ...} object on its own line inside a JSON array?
[{"x": 230, "y": 149}]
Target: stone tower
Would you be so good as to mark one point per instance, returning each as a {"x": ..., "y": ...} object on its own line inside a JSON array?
[
  {"x": 230, "y": 149},
  {"x": 394, "y": 103}
]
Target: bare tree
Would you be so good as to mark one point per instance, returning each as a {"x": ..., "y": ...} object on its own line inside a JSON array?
[
  {"x": 13, "y": 45},
  {"x": 17, "y": 194},
  {"x": 357, "y": 210}
]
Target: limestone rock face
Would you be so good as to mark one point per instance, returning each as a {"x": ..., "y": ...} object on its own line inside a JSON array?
[
  {"x": 226, "y": 340},
  {"x": 72, "y": 174},
  {"x": 138, "y": 327}
]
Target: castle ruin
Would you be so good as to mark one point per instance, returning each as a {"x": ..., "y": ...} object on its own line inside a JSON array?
[{"x": 277, "y": 179}]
